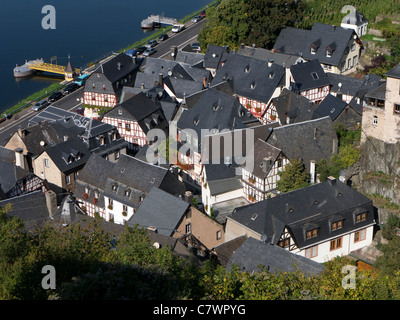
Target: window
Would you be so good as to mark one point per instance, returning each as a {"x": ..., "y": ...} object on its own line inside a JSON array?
[
  {"x": 219, "y": 235},
  {"x": 115, "y": 188},
  {"x": 353, "y": 47},
  {"x": 336, "y": 244},
  {"x": 67, "y": 179},
  {"x": 46, "y": 163},
  {"x": 337, "y": 225},
  {"x": 110, "y": 201},
  {"x": 188, "y": 228},
  {"x": 315, "y": 75},
  {"x": 396, "y": 108},
  {"x": 311, "y": 252},
  {"x": 125, "y": 208},
  {"x": 349, "y": 63},
  {"x": 361, "y": 217},
  {"x": 117, "y": 154},
  {"x": 312, "y": 233},
  {"x": 284, "y": 243},
  {"x": 279, "y": 163},
  {"x": 127, "y": 127},
  {"x": 313, "y": 50},
  {"x": 360, "y": 235},
  {"x": 329, "y": 53},
  {"x": 375, "y": 121},
  {"x": 102, "y": 141},
  {"x": 127, "y": 193},
  {"x": 355, "y": 60}
]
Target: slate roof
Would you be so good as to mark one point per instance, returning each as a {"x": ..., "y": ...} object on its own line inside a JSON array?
[
  {"x": 344, "y": 84},
  {"x": 215, "y": 110},
  {"x": 252, "y": 78},
  {"x": 139, "y": 177},
  {"x": 31, "y": 208},
  {"x": 298, "y": 42},
  {"x": 309, "y": 75},
  {"x": 331, "y": 106},
  {"x": 160, "y": 210},
  {"x": 282, "y": 59},
  {"x": 254, "y": 253},
  {"x": 297, "y": 140},
  {"x": 182, "y": 87},
  {"x": 214, "y": 56},
  {"x": 290, "y": 104},
  {"x": 355, "y": 18},
  {"x": 142, "y": 109},
  {"x": 155, "y": 66},
  {"x": 315, "y": 206},
  {"x": 394, "y": 72},
  {"x": 69, "y": 155},
  {"x": 93, "y": 175},
  {"x": 260, "y": 151},
  {"x": 10, "y": 174}
]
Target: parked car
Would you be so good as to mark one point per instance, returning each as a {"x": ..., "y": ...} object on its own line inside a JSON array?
[
  {"x": 40, "y": 105},
  {"x": 80, "y": 111},
  {"x": 70, "y": 88},
  {"x": 55, "y": 96},
  {"x": 151, "y": 44},
  {"x": 197, "y": 18},
  {"x": 196, "y": 47},
  {"x": 149, "y": 52},
  {"x": 140, "y": 50},
  {"x": 203, "y": 14},
  {"x": 163, "y": 37},
  {"x": 177, "y": 28},
  {"x": 131, "y": 52}
]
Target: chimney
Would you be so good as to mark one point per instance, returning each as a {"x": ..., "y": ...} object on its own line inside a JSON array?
[
  {"x": 174, "y": 52},
  {"x": 188, "y": 196},
  {"x": 19, "y": 158},
  {"x": 312, "y": 171},
  {"x": 266, "y": 163},
  {"x": 160, "y": 79},
  {"x": 332, "y": 180},
  {"x": 270, "y": 62},
  {"x": 51, "y": 202},
  {"x": 21, "y": 133}
]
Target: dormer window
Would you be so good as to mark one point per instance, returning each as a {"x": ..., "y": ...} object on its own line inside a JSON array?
[
  {"x": 314, "y": 75},
  {"x": 247, "y": 69},
  {"x": 127, "y": 193},
  {"x": 361, "y": 217},
  {"x": 115, "y": 187},
  {"x": 337, "y": 225},
  {"x": 252, "y": 85},
  {"x": 313, "y": 50},
  {"x": 102, "y": 141},
  {"x": 329, "y": 53},
  {"x": 271, "y": 75},
  {"x": 312, "y": 233}
]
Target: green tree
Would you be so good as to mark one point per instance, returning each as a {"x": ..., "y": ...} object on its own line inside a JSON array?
[{"x": 293, "y": 177}]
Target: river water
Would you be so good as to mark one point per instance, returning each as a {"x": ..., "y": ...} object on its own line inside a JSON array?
[{"x": 84, "y": 29}]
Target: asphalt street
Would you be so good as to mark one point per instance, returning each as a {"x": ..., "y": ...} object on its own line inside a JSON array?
[{"x": 72, "y": 101}]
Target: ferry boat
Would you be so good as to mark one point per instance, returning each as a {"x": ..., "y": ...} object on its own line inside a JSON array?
[{"x": 24, "y": 71}]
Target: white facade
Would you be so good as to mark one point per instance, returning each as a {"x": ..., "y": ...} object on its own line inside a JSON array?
[
  {"x": 114, "y": 211},
  {"x": 338, "y": 246}
]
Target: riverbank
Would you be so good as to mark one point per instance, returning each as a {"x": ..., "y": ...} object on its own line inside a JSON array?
[{"x": 90, "y": 67}]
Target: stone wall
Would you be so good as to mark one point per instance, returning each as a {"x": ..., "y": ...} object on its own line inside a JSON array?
[{"x": 379, "y": 169}]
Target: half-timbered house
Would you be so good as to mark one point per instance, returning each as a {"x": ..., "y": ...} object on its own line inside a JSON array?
[
  {"x": 103, "y": 88},
  {"x": 134, "y": 118},
  {"x": 318, "y": 222},
  {"x": 255, "y": 82},
  {"x": 309, "y": 80},
  {"x": 260, "y": 182}
]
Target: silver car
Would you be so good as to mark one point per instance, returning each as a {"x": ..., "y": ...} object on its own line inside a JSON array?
[{"x": 40, "y": 105}]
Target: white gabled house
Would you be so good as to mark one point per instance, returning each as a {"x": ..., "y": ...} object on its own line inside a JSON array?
[{"x": 318, "y": 222}]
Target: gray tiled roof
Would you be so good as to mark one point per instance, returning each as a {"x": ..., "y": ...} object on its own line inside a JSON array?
[
  {"x": 309, "y": 75},
  {"x": 317, "y": 205},
  {"x": 161, "y": 210},
  {"x": 254, "y": 253},
  {"x": 331, "y": 106},
  {"x": 252, "y": 78},
  {"x": 297, "y": 140},
  {"x": 298, "y": 42},
  {"x": 215, "y": 110}
]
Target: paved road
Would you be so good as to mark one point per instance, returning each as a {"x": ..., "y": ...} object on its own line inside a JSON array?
[{"x": 72, "y": 101}]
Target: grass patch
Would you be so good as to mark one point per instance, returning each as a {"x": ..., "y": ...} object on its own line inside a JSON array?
[{"x": 33, "y": 98}]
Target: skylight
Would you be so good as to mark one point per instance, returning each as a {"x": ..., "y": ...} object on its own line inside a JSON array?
[{"x": 314, "y": 75}]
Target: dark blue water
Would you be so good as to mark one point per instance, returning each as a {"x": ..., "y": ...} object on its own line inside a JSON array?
[{"x": 85, "y": 30}]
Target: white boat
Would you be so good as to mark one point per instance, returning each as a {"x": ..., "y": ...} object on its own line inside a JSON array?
[{"x": 24, "y": 71}]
